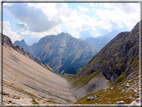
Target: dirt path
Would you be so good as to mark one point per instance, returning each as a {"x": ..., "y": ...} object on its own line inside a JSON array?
[{"x": 26, "y": 79}]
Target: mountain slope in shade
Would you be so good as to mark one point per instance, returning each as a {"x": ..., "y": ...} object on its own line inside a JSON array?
[
  {"x": 116, "y": 62},
  {"x": 120, "y": 55},
  {"x": 27, "y": 82},
  {"x": 64, "y": 53}
]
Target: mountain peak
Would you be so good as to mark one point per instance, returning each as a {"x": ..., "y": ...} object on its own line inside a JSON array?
[
  {"x": 23, "y": 41},
  {"x": 64, "y": 34}
]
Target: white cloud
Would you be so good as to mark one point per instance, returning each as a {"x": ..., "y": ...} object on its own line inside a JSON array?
[
  {"x": 54, "y": 31},
  {"x": 127, "y": 13},
  {"x": 94, "y": 34},
  {"x": 7, "y": 31},
  {"x": 42, "y": 19},
  {"x": 75, "y": 34},
  {"x": 25, "y": 32},
  {"x": 83, "y": 9},
  {"x": 107, "y": 19},
  {"x": 92, "y": 4},
  {"x": 34, "y": 17}
]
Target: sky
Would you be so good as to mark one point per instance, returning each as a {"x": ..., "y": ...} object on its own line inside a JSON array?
[{"x": 32, "y": 21}]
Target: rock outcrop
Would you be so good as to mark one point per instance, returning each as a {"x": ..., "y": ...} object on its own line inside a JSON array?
[
  {"x": 44, "y": 65},
  {"x": 8, "y": 43}
]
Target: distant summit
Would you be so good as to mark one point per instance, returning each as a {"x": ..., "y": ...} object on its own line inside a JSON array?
[
  {"x": 101, "y": 41},
  {"x": 63, "y": 52}
]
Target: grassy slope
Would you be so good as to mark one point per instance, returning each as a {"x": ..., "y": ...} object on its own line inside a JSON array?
[{"x": 79, "y": 82}]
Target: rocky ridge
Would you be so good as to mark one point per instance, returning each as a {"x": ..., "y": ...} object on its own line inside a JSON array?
[
  {"x": 119, "y": 56},
  {"x": 7, "y": 43}
]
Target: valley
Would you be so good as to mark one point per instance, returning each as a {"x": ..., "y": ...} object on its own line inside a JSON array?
[{"x": 111, "y": 76}]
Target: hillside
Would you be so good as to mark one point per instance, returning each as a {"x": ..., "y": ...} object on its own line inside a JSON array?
[
  {"x": 64, "y": 53},
  {"x": 123, "y": 93},
  {"x": 27, "y": 82},
  {"x": 120, "y": 55},
  {"x": 117, "y": 62}
]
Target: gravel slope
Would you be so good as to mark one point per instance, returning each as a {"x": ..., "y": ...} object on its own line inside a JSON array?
[
  {"x": 26, "y": 79},
  {"x": 98, "y": 82}
]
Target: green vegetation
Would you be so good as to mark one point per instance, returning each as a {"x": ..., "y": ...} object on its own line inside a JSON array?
[
  {"x": 111, "y": 96},
  {"x": 93, "y": 61},
  {"x": 34, "y": 101},
  {"x": 115, "y": 50},
  {"x": 121, "y": 78},
  {"x": 69, "y": 77},
  {"x": 79, "y": 82},
  {"x": 106, "y": 62}
]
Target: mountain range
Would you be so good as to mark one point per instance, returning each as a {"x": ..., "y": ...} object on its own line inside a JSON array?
[
  {"x": 101, "y": 41},
  {"x": 112, "y": 75},
  {"x": 64, "y": 53}
]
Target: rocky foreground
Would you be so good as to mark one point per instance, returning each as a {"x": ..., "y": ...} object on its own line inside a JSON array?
[{"x": 127, "y": 93}]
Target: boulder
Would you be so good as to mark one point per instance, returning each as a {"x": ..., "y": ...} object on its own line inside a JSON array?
[
  {"x": 128, "y": 85},
  {"x": 88, "y": 98},
  {"x": 137, "y": 95},
  {"x": 120, "y": 102}
]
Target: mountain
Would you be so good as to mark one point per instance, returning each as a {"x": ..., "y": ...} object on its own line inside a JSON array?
[
  {"x": 120, "y": 55},
  {"x": 23, "y": 45},
  {"x": 64, "y": 53},
  {"x": 97, "y": 43},
  {"x": 101, "y": 41},
  {"x": 110, "y": 35},
  {"x": 27, "y": 82},
  {"x": 117, "y": 62}
]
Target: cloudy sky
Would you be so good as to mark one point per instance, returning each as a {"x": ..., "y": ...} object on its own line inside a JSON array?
[{"x": 31, "y": 21}]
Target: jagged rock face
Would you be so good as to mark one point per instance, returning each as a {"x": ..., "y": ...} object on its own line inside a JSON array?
[
  {"x": 121, "y": 54},
  {"x": 26, "y": 53},
  {"x": 23, "y": 45},
  {"x": 7, "y": 43},
  {"x": 64, "y": 53},
  {"x": 38, "y": 61}
]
